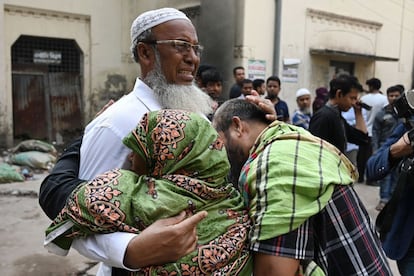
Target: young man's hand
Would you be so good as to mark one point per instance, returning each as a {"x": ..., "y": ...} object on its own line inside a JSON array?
[{"x": 264, "y": 104}]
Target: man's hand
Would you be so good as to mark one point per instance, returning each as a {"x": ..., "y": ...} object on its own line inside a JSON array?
[
  {"x": 164, "y": 241},
  {"x": 264, "y": 104}
]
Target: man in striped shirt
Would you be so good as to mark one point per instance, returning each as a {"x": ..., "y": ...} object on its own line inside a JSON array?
[{"x": 298, "y": 190}]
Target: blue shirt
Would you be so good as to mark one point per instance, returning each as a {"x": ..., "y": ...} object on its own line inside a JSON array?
[
  {"x": 282, "y": 111},
  {"x": 378, "y": 165},
  {"x": 399, "y": 238},
  {"x": 301, "y": 119}
]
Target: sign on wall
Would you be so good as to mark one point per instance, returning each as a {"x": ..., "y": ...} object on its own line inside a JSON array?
[
  {"x": 47, "y": 57},
  {"x": 256, "y": 69},
  {"x": 290, "y": 69}
]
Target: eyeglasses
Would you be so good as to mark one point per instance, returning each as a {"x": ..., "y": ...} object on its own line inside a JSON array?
[{"x": 183, "y": 47}]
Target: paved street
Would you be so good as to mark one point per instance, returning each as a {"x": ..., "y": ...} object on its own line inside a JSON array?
[
  {"x": 21, "y": 249},
  {"x": 21, "y": 239}
]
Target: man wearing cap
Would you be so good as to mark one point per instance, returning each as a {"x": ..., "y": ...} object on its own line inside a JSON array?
[
  {"x": 302, "y": 115},
  {"x": 165, "y": 44}
]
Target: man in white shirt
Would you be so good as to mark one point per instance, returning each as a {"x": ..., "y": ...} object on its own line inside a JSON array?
[
  {"x": 376, "y": 100},
  {"x": 165, "y": 44}
]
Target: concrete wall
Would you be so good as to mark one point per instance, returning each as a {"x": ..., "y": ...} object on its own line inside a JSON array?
[
  {"x": 376, "y": 28},
  {"x": 260, "y": 33},
  {"x": 82, "y": 21},
  {"x": 232, "y": 31},
  {"x": 102, "y": 31},
  {"x": 217, "y": 34}
]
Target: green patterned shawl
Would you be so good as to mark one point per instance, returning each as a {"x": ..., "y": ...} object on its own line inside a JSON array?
[
  {"x": 188, "y": 166},
  {"x": 290, "y": 176}
]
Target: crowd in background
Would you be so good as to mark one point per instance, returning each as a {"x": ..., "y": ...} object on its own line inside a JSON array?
[{"x": 377, "y": 112}]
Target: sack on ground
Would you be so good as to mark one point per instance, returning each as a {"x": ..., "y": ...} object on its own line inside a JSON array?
[
  {"x": 34, "y": 145},
  {"x": 34, "y": 159},
  {"x": 9, "y": 174}
]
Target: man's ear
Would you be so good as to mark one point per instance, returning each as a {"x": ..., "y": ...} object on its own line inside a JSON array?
[
  {"x": 145, "y": 52},
  {"x": 237, "y": 125},
  {"x": 338, "y": 93}
]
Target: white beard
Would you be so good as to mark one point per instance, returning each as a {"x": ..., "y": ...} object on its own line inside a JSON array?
[
  {"x": 306, "y": 110},
  {"x": 173, "y": 96}
]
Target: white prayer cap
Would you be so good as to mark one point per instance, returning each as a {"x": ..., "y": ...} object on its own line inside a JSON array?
[
  {"x": 152, "y": 18},
  {"x": 301, "y": 92}
]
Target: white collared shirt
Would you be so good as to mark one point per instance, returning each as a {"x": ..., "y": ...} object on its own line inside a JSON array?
[{"x": 102, "y": 150}]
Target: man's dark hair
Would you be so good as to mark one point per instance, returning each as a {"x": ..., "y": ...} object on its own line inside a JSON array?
[
  {"x": 374, "y": 83},
  {"x": 247, "y": 81},
  {"x": 202, "y": 68},
  {"x": 344, "y": 83},
  {"x": 237, "y": 68},
  {"x": 273, "y": 78},
  {"x": 394, "y": 88},
  {"x": 257, "y": 83},
  {"x": 211, "y": 75},
  {"x": 243, "y": 109},
  {"x": 400, "y": 87}
]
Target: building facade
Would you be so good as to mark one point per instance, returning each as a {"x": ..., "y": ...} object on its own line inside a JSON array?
[{"x": 62, "y": 60}]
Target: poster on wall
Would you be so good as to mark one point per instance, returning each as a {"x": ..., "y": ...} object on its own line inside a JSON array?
[
  {"x": 290, "y": 70},
  {"x": 256, "y": 69}
]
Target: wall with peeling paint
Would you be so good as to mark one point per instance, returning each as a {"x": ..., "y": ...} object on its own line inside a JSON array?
[
  {"x": 234, "y": 32},
  {"x": 102, "y": 31}
]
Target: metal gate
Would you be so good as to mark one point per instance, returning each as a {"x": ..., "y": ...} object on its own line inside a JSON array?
[{"x": 47, "y": 89}]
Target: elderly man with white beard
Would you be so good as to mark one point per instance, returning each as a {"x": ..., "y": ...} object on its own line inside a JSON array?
[
  {"x": 301, "y": 117},
  {"x": 165, "y": 44}
]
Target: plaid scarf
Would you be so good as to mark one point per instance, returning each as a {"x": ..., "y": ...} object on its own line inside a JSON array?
[{"x": 292, "y": 173}]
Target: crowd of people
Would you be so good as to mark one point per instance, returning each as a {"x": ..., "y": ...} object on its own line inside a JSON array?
[{"x": 172, "y": 179}]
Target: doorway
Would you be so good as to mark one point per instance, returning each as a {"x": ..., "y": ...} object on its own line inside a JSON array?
[
  {"x": 46, "y": 88},
  {"x": 340, "y": 67}
]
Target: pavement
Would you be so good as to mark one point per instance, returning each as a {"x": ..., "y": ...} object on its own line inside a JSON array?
[{"x": 21, "y": 237}]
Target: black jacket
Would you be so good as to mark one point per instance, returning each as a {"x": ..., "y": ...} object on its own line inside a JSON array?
[{"x": 328, "y": 124}]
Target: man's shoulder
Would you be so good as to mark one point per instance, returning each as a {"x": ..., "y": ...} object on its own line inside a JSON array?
[
  {"x": 324, "y": 111},
  {"x": 119, "y": 109},
  {"x": 235, "y": 91},
  {"x": 281, "y": 104},
  {"x": 374, "y": 97},
  {"x": 123, "y": 115},
  {"x": 298, "y": 113},
  {"x": 322, "y": 120}
]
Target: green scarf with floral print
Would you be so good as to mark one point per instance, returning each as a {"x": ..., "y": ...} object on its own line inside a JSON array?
[{"x": 187, "y": 166}]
